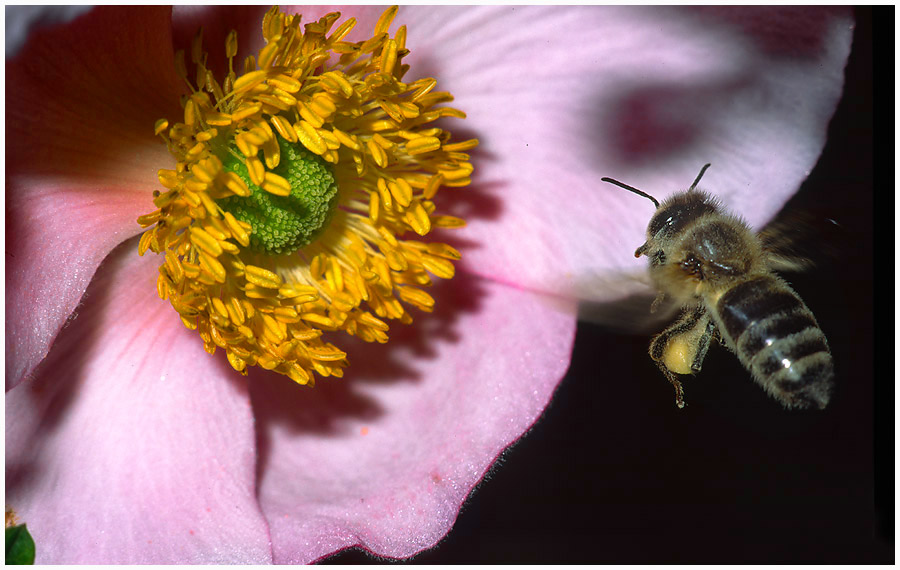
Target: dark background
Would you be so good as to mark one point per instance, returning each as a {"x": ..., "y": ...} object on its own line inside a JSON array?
[{"x": 615, "y": 473}]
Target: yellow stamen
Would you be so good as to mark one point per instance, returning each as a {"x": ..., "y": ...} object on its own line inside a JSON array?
[{"x": 370, "y": 128}]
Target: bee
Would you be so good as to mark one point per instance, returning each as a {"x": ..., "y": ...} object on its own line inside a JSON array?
[{"x": 710, "y": 263}]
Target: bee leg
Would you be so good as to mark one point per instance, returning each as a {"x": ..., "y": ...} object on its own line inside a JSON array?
[
  {"x": 710, "y": 334},
  {"x": 680, "y": 349},
  {"x": 676, "y": 383},
  {"x": 660, "y": 297}
]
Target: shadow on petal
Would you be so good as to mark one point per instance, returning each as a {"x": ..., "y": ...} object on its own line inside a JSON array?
[
  {"x": 483, "y": 200},
  {"x": 323, "y": 409},
  {"x": 217, "y": 22}
]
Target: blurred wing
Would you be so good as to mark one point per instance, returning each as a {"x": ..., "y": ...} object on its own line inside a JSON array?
[
  {"x": 794, "y": 239},
  {"x": 632, "y": 310}
]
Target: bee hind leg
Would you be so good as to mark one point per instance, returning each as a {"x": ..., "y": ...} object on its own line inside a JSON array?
[
  {"x": 681, "y": 348},
  {"x": 710, "y": 334},
  {"x": 676, "y": 383}
]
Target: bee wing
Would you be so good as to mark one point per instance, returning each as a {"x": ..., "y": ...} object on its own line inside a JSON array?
[
  {"x": 631, "y": 308},
  {"x": 794, "y": 238}
]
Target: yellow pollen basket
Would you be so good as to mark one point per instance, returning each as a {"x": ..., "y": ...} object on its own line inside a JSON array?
[{"x": 343, "y": 108}]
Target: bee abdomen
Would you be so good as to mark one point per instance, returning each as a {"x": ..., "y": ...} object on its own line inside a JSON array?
[{"x": 777, "y": 338}]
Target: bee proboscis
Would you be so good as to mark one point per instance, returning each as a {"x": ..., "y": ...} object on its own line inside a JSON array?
[{"x": 717, "y": 269}]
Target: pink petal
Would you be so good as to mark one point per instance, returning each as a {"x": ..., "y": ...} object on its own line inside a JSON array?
[
  {"x": 560, "y": 97},
  {"x": 132, "y": 445},
  {"x": 385, "y": 457},
  {"x": 82, "y": 160}
]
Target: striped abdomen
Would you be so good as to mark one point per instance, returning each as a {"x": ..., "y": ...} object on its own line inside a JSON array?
[{"x": 777, "y": 338}]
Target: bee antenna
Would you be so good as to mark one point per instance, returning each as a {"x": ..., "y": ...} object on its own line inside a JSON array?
[
  {"x": 632, "y": 189},
  {"x": 699, "y": 176}
]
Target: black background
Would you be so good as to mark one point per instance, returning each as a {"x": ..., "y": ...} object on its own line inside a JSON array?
[{"x": 615, "y": 473}]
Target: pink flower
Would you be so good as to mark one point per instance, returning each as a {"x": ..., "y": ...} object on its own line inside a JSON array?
[{"x": 127, "y": 443}]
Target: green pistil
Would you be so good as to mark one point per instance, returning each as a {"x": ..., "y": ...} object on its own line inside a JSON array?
[{"x": 284, "y": 224}]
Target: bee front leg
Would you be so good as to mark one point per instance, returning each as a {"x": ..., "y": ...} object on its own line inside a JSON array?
[
  {"x": 681, "y": 348},
  {"x": 660, "y": 297}
]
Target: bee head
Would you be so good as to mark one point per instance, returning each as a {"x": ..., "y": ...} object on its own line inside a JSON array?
[
  {"x": 695, "y": 246},
  {"x": 691, "y": 241},
  {"x": 675, "y": 214},
  {"x": 671, "y": 216}
]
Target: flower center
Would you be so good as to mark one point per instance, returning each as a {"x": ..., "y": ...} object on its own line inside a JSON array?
[
  {"x": 264, "y": 255},
  {"x": 284, "y": 224}
]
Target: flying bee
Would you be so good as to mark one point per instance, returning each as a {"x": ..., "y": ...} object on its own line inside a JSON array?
[{"x": 710, "y": 263}]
